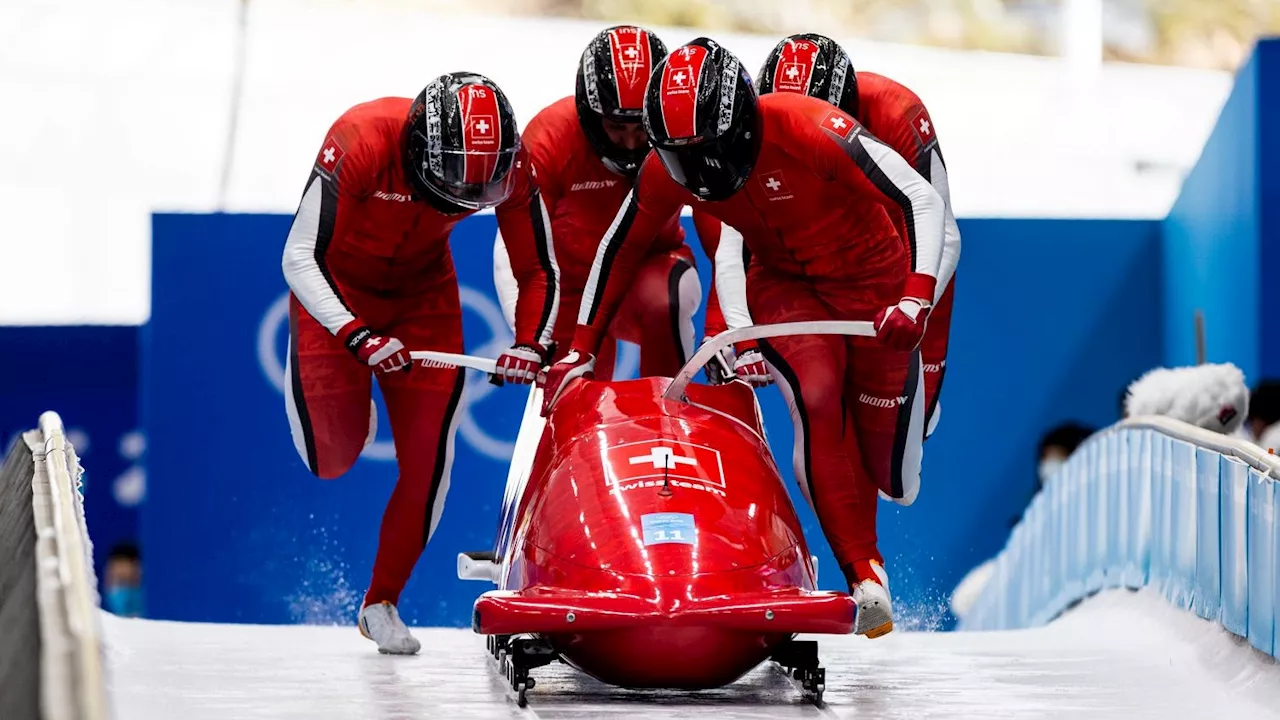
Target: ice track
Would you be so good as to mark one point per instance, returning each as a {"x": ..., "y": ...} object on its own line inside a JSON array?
[{"x": 1120, "y": 655}]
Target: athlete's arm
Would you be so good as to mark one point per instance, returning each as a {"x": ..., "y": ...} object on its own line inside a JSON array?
[
  {"x": 648, "y": 208},
  {"x": 859, "y": 154},
  {"x": 525, "y": 229},
  {"x": 731, "y": 279},
  {"x": 337, "y": 175},
  {"x": 934, "y": 168},
  {"x": 916, "y": 139}
]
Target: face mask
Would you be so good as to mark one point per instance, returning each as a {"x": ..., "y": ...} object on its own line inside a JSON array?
[
  {"x": 124, "y": 601},
  {"x": 1048, "y": 467}
]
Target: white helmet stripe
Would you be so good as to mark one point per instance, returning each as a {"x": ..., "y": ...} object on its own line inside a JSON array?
[
  {"x": 435, "y": 140},
  {"x": 728, "y": 87},
  {"x": 838, "y": 74},
  {"x": 589, "y": 79}
]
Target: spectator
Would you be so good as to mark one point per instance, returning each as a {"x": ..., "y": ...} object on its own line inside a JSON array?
[
  {"x": 1054, "y": 449},
  {"x": 1056, "y": 446},
  {"x": 1264, "y": 415},
  {"x": 122, "y": 582}
]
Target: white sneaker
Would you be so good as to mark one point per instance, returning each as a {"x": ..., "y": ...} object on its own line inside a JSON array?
[
  {"x": 875, "y": 609},
  {"x": 381, "y": 623}
]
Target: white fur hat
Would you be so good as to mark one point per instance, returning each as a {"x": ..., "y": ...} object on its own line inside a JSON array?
[{"x": 1213, "y": 397}]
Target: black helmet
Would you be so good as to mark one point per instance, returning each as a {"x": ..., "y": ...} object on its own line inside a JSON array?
[
  {"x": 701, "y": 113},
  {"x": 813, "y": 65},
  {"x": 462, "y": 142},
  {"x": 612, "y": 76}
]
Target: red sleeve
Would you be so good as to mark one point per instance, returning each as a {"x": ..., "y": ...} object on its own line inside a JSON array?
[
  {"x": 342, "y": 173},
  {"x": 653, "y": 203},
  {"x": 541, "y": 139},
  {"x": 708, "y": 229},
  {"x": 526, "y": 231},
  {"x": 845, "y": 152}
]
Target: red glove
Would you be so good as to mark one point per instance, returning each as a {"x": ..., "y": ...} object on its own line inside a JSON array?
[
  {"x": 521, "y": 364},
  {"x": 901, "y": 327},
  {"x": 574, "y": 365},
  {"x": 383, "y": 354},
  {"x": 751, "y": 367}
]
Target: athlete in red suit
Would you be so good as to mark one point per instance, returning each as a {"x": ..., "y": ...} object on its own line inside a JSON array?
[
  {"x": 807, "y": 188},
  {"x": 817, "y": 66},
  {"x": 586, "y": 150},
  {"x": 368, "y": 263}
]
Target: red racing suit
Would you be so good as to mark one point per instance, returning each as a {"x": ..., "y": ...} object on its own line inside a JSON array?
[
  {"x": 583, "y": 197},
  {"x": 815, "y": 215},
  {"x": 364, "y": 246},
  {"x": 897, "y": 117}
]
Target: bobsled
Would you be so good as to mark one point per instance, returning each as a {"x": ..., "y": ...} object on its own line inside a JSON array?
[{"x": 647, "y": 538}]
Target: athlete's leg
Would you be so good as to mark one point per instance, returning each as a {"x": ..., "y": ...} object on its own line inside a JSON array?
[
  {"x": 810, "y": 372},
  {"x": 657, "y": 313},
  {"x": 886, "y": 392},
  {"x": 423, "y": 408},
  {"x": 933, "y": 352},
  {"x": 326, "y": 395}
]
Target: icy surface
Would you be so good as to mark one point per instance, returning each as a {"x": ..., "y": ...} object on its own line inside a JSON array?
[{"x": 1120, "y": 655}]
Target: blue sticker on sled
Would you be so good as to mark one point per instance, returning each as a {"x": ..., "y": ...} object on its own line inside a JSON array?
[{"x": 662, "y": 528}]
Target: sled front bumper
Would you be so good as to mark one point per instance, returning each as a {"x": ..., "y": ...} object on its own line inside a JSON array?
[{"x": 793, "y": 610}]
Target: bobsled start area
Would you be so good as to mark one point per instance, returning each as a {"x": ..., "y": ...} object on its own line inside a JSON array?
[{"x": 1119, "y": 655}]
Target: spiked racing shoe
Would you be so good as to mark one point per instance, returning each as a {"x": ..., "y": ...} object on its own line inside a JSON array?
[{"x": 875, "y": 608}]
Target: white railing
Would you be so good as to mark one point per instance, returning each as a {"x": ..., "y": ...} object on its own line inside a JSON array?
[
  {"x": 1148, "y": 502},
  {"x": 72, "y": 683}
]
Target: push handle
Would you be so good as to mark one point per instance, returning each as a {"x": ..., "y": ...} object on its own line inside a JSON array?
[
  {"x": 675, "y": 391},
  {"x": 489, "y": 366}
]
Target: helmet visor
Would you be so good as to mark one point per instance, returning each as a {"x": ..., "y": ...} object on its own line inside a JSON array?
[
  {"x": 710, "y": 170},
  {"x": 472, "y": 179}
]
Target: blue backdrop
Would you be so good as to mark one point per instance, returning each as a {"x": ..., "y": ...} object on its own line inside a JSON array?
[
  {"x": 90, "y": 376},
  {"x": 237, "y": 530},
  {"x": 1223, "y": 233}
]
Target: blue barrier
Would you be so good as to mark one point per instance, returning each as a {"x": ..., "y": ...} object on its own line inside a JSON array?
[{"x": 1149, "y": 502}]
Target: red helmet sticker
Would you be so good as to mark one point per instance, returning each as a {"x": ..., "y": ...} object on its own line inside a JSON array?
[
  {"x": 330, "y": 155},
  {"x": 795, "y": 66},
  {"x": 481, "y": 132},
  {"x": 632, "y": 64},
  {"x": 680, "y": 91}
]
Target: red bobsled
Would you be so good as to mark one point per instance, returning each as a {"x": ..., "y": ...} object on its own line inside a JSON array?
[{"x": 648, "y": 539}]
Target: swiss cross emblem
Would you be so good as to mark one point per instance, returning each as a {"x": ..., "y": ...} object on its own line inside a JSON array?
[
  {"x": 330, "y": 155},
  {"x": 481, "y": 131},
  {"x": 677, "y": 80},
  {"x": 774, "y": 185},
  {"x": 653, "y": 463},
  {"x": 793, "y": 77},
  {"x": 839, "y": 123},
  {"x": 922, "y": 125}
]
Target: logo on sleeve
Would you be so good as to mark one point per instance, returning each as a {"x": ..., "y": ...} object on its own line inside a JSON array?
[
  {"x": 774, "y": 185},
  {"x": 331, "y": 154},
  {"x": 839, "y": 123},
  {"x": 922, "y": 126}
]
